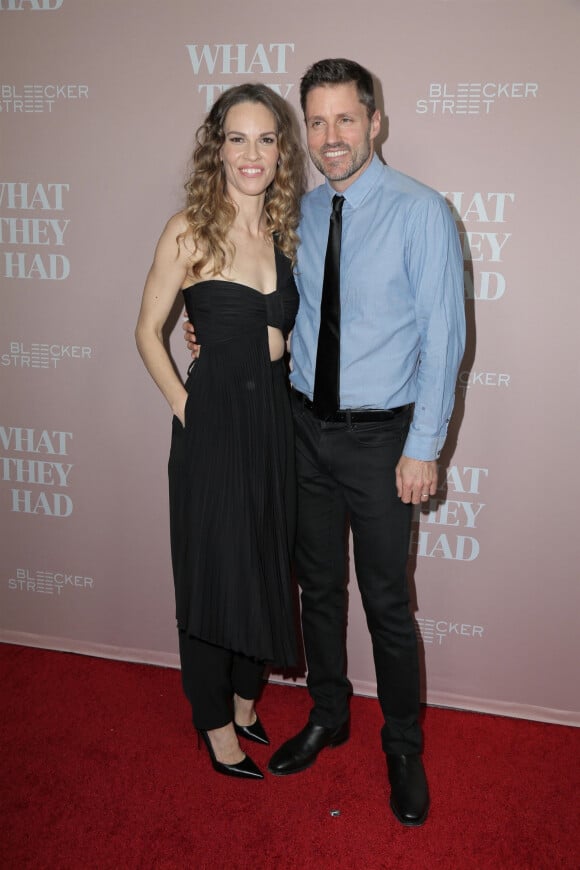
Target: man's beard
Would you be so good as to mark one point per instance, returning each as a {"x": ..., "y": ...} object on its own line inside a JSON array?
[{"x": 357, "y": 159}]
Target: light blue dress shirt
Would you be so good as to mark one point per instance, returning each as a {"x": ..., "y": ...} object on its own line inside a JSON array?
[{"x": 402, "y": 305}]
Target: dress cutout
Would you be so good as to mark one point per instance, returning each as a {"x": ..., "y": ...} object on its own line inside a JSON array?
[{"x": 231, "y": 474}]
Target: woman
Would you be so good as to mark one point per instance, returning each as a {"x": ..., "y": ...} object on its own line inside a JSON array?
[{"x": 230, "y": 469}]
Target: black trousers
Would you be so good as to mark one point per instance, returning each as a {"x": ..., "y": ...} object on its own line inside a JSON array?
[
  {"x": 347, "y": 472},
  {"x": 210, "y": 676}
]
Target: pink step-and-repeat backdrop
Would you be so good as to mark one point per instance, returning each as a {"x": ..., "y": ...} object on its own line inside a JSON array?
[{"x": 99, "y": 100}]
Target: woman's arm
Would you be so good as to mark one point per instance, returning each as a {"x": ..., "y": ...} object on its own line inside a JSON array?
[{"x": 164, "y": 281}]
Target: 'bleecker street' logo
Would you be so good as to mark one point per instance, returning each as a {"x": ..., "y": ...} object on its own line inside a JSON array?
[
  {"x": 38, "y": 98},
  {"x": 472, "y": 98}
]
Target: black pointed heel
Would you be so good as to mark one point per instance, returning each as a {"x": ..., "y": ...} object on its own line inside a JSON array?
[
  {"x": 245, "y": 769},
  {"x": 253, "y": 732}
]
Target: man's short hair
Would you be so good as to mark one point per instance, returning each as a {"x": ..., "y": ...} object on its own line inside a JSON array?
[{"x": 339, "y": 71}]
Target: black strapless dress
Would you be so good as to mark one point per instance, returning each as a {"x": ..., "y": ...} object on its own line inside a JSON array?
[{"x": 231, "y": 474}]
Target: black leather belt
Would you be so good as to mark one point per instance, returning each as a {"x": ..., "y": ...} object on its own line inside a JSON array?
[{"x": 354, "y": 416}]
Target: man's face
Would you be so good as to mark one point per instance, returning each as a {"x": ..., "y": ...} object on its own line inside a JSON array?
[{"x": 339, "y": 133}]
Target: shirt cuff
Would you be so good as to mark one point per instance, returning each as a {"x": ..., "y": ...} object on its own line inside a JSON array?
[{"x": 424, "y": 447}]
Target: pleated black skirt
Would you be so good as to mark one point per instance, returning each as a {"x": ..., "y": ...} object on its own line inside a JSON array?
[{"x": 233, "y": 502}]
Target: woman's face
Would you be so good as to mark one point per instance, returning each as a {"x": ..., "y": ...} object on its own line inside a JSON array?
[{"x": 250, "y": 151}]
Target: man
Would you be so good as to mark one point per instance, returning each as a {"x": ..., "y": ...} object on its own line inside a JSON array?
[{"x": 373, "y": 380}]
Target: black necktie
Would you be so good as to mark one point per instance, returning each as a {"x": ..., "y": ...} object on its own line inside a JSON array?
[{"x": 326, "y": 390}]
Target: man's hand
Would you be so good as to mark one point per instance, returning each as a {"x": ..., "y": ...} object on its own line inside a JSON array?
[
  {"x": 416, "y": 480},
  {"x": 189, "y": 337}
]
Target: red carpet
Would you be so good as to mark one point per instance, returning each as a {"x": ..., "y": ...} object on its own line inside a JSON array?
[{"x": 101, "y": 770}]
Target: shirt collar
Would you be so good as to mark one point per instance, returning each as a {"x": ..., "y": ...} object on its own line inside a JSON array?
[{"x": 356, "y": 192}]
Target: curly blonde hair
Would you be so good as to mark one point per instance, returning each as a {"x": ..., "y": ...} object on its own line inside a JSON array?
[{"x": 209, "y": 211}]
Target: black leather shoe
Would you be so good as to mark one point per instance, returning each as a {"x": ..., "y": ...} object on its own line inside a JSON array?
[
  {"x": 301, "y": 751},
  {"x": 253, "y": 732},
  {"x": 409, "y": 792},
  {"x": 244, "y": 769}
]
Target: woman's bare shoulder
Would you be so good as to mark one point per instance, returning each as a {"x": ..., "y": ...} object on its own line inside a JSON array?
[
  {"x": 178, "y": 224},
  {"x": 177, "y": 236}
]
